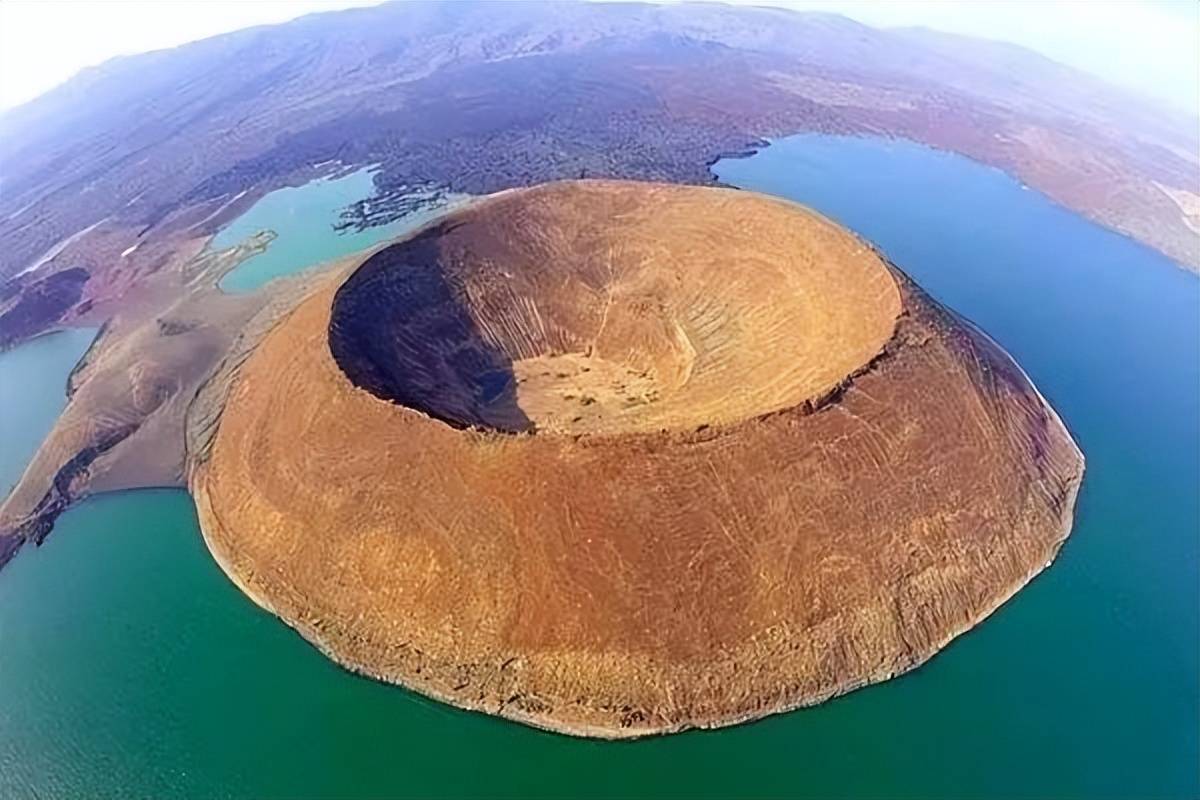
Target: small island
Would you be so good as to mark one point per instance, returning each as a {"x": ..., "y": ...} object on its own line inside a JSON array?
[{"x": 617, "y": 459}]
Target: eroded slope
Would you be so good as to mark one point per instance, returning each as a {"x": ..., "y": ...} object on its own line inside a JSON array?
[{"x": 643, "y": 571}]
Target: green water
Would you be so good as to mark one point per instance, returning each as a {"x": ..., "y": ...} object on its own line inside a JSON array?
[
  {"x": 130, "y": 665},
  {"x": 302, "y": 218},
  {"x": 33, "y": 383}
]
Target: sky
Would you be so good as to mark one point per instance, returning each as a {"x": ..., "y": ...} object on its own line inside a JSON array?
[{"x": 1150, "y": 46}]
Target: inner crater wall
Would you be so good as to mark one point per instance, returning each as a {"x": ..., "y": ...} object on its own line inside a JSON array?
[{"x": 596, "y": 307}]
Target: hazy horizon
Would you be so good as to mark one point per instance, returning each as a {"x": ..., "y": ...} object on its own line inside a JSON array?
[{"x": 38, "y": 54}]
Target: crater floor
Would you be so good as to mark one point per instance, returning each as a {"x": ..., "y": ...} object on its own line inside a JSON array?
[{"x": 620, "y": 458}]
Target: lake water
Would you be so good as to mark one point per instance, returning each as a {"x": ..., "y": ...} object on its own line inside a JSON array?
[
  {"x": 33, "y": 384},
  {"x": 128, "y": 661},
  {"x": 302, "y": 218}
]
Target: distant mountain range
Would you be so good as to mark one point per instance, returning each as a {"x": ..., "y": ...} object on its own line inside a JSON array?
[{"x": 480, "y": 96}]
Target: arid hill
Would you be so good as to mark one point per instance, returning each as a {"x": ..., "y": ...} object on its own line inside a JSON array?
[{"x": 616, "y": 459}]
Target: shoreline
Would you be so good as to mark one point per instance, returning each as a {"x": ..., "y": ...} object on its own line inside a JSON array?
[{"x": 1191, "y": 267}]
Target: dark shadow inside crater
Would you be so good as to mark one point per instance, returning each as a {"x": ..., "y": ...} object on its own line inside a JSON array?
[{"x": 400, "y": 329}]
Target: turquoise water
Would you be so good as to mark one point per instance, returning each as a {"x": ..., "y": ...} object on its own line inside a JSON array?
[
  {"x": 128, "y": 661},
  {"x": 33, "y": 384},
  {"x": 302, "y": 218}
]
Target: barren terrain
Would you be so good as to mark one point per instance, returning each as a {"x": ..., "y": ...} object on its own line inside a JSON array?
[{"x": 797, "y": 474}]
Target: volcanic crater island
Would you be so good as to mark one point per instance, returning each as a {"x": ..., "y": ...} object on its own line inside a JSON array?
[{"x": 618, "y": 458}]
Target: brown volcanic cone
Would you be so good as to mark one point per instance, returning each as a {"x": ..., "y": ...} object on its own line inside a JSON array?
[{"x": 620, "y": 458}]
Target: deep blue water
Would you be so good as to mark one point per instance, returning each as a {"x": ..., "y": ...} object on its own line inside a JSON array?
[{"x": 1105, "y": 665}]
